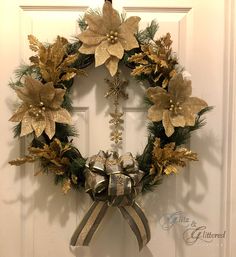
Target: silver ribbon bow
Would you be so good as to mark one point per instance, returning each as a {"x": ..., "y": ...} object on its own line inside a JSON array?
[{"x": 112, "y": 181}]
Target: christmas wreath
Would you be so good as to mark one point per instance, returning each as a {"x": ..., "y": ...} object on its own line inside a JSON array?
[{"x": 44, "y": 88}]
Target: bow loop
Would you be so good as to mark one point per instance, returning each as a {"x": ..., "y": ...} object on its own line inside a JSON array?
[
  {"x": 127, "y": 162},
  {"x": 95, "y": 183},
  {"x": 97, "y": 162},
  {"x": 112, "y": 163}
]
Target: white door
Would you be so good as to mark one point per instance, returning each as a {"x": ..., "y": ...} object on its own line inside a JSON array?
[{"x": 37, "y": 220}]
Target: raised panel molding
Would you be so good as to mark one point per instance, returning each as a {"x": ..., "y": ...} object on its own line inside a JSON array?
[
  {"x": 53, "y": 8},
  {"x": 157, "y": 9},
  {"x": 131, "y": 126},
  {"x": 81, "y": 121}
]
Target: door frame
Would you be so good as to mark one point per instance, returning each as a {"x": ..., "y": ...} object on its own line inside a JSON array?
[{"x": 229, "y": 149}]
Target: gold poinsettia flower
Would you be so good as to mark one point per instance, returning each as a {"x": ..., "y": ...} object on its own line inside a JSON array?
[
  {"x": 41, "y": 108},
  {"x": 174, "y": 107},
  {"x": 107, "y": 37},
  {"x": 166, "y": 159}
]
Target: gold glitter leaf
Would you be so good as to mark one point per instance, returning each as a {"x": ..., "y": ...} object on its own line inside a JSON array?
[
  {"x": 35, "y": 45},
  {"x": 155, "y": 58},
  {"x": 141, "y": 69},
  {"x": 53, "y": 60},
  {"x": 66, "y": 186},
  {"x": 170, "y": 169},
  {"x": 52, "y": 155},
  {"x": 166, "y": 159},
  {"x": 23, "y": 160},
  {"x": 138, "y": 58},
  {"x": 68, "y": 75}
]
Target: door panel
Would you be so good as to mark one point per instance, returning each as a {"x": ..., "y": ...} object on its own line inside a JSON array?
[{"x": 41, "y": 219}]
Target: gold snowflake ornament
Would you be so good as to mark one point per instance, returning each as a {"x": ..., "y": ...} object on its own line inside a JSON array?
[{"x": 116, "y": 91}]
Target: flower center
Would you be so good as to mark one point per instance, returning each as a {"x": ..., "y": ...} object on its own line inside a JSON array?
[
  {"x": 112, "y": 36},
  {"x": 37, "y": 111},
  {"x": 175, "y": 107}
]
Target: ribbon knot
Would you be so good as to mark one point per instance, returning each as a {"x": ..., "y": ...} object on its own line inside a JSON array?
[{"x": 112, "y": 181}]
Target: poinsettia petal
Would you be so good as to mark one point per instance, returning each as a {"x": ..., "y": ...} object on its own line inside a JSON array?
[
  {"x": 154, "y": 113},
  {"x": 19, "y": 114},
  {"x": 101, "y": 54},
  {"x": 50, "y": 126},
  {"x": 87, "y": 49},
  {"x": 30, "y": 92},
  {"x": 180, "y": 88},
  {"x": 26, "y": 127},
  {"x": 194, "y": 104},
  {"x": 47, "y": 93},
  {"x": 151, "y": 91},
  {"x": 126, "y": 33},
  {"x": 159, "y": 96},
  {"x": 33, "y": 86},
  {"x": 112, "y": 65},
  {"x": 190, "y": 119},
  {"x": 95, "y": 23},
  {"x": 128, "y": 42},
  {"x": 23, "y": 95},
  {"x": 116, "y": 50},
  {"x": 169, "y": 129},
  {"x": 130, "y": 24},
  {"x": 89, "y": 37},
  {"x": 38, "y": 125},
  {"x": 177, "y": 120},
  {"x": 61, "y": 116},
  {"x": 58, "y": 98},
  {"x": 111, "y": 17}
]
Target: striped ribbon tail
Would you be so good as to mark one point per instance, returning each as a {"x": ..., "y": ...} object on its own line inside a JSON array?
[
  {"x": 138, "y": 223},
  {"x": 89, "y": 224},
  {"x": 92, "y": 219}
]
